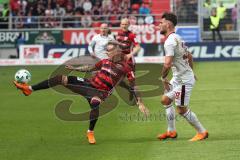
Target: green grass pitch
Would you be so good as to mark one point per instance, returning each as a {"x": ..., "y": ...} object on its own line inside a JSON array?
[{"x": 30, "y": 130}]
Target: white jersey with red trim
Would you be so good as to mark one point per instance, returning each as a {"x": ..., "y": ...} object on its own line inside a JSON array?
[
  {"x": 98, "y": 44},
  {"x": 174, "y": 46}
]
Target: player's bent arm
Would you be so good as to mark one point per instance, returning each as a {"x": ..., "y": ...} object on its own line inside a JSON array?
[
  {"x": 190, "y": 59},
  {"x": 136, "y": 94},
  {"x": 135, "y": 91},
  {"x": 135, "y": 50},
  {"x": 86, "y": 68},
  {"x": 190, "y": 62},
  {"x": 90, "y": 47},
  {"x": 166, "y": 66},
  {"x": 138, "y": 98}
]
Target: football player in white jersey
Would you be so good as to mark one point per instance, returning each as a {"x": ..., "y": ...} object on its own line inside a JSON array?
[
  {"x": 97, "y": 46},
  {"x": 179, "y": 89}
]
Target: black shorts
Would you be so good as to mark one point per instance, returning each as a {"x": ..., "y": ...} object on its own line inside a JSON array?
[{"x": 83, "y": 87}]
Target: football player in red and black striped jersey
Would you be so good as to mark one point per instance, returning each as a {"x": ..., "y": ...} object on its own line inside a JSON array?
[
  {"x": 110, "y": 72},
  {"x": 130, "y": 47},
  {"x": 127, "y": 42}
]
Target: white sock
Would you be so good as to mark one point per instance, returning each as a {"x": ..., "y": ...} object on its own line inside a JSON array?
[
  {"x": 30, "y": 87},
  {"x": 193, "y": 120},
  {"x": 170, "y": 116}
]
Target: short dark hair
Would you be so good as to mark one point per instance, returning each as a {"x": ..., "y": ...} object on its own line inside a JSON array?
[{"x": 171, "y": 17}]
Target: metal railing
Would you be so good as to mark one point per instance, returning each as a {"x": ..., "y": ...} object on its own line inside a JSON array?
[
  {"x": 186, "y": 11},
  {"x": 40, "y": 22}
]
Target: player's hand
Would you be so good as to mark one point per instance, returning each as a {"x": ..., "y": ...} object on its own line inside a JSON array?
[
  {"x": 129, "y": 56},
  {"x": 166, "y": 85},
  {"x": 69, "y": 67},
  {"x": 143, "y": 109}
]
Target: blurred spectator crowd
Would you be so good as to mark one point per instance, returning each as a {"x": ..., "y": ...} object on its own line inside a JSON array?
[
  {"x": 186, "y": 10},
  {"x": 73, "y": 13}
]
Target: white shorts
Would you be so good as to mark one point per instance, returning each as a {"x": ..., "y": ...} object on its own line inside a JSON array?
[{"x": 179, "y": 92}]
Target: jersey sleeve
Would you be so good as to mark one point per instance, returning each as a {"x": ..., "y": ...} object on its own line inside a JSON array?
[
  {"x": 170, "y": 46},
  {"x": 132, "y": 37}
]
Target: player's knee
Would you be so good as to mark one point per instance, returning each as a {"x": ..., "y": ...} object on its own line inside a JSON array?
[
  {"x": 56, "y": 80},
  {"x": 182, "y": 110},
  {"x": 166, "y": 100},
  {"x": 95, "y": 102}
]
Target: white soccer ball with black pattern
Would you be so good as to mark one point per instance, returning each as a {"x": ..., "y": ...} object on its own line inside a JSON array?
[{"x": 23, "y": 76}]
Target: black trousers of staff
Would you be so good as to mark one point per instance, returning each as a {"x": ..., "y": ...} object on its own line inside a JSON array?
[{"x": 218, "y": 32}]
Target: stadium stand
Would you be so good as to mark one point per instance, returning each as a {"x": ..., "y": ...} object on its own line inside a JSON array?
[
  {"x": 187, "y": 11},
  {"x": 78, "y": 13}
]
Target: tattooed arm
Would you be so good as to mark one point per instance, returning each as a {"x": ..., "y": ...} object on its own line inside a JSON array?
[
  {"x": 190, "y": 62},
  {"x": 165, "y": 70},
  {"x": 137, "y": 96},
  {"x": 85, "y": 68}
]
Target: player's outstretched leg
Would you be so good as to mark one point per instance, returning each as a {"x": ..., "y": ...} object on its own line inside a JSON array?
[
  {"x": 192, "y": 119},
  {"x": 51, "y": 82},
  {"x": 94, "y": 114},
  {"x": 170, "y": 116}
]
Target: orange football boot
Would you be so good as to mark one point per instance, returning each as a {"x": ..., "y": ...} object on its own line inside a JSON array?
[
  {"x": 90, "y": 137},
  {"x": 199, "y": 136},
  {"x": 168, "y": 134},
  {"x": 24, "y": 87}
]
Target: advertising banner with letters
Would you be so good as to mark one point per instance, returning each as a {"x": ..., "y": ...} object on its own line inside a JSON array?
[
  {"x": 203, "y": 51},
  {"x": 65, "y": 51},
  {"x": 149, "y": 53},
  {"x": 144, "y": 34},
  {"x": 215, "y": 51},
  {"x": 45, "y": 37},
  {"x": 8, "y": 39}
]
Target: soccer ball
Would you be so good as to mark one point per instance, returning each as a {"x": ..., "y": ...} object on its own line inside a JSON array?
[{"x": 22, "y": 76}]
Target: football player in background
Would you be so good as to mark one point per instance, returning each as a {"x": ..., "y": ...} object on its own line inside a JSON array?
[
  {"x": 97, "y": 46},
  {"x": 129, "y": 46}
]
